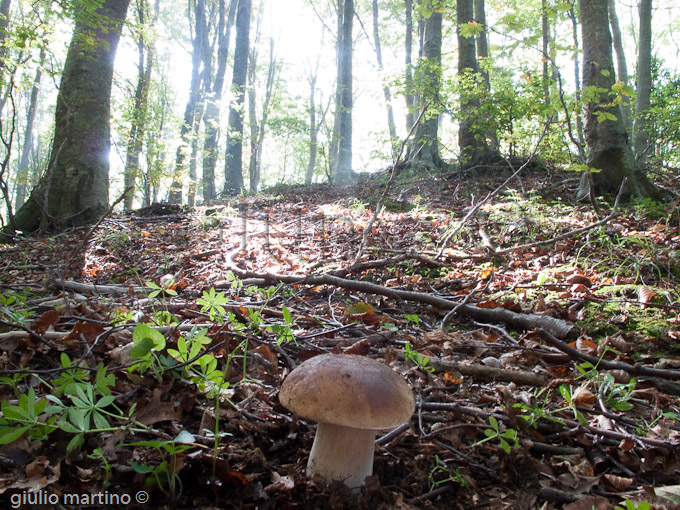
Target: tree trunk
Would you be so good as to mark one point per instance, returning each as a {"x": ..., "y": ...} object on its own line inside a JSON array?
[
  {"x": 4, "y": 23},
  {"x": 644, "y": 84},
  {"x": 139, "y": 112},
  {"x": 424, "y": 149},
  {"x": 233, "y": 168},
  {"x": 621, "y": 67},
  {"x": 258, "y": 128},
  {"x": 408, "y": 51},
  {"x": 22, "y": 174},
  {"x": 471, "y": 132},
  {"x": 545, "y": 40},
  {"x": 344, "y": 170},
  {"x": 392, "y": 129},
  {"x": 190, "y": 124},
  {"x": 609, "y": 150},
  {"x": 74, "y": 189},
  {"x": 211, "y": 118},
  {"x": 577, "y": 80},
  {"x": 483, "y": 54}
]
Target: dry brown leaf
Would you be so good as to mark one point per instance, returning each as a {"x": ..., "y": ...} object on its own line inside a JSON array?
[{"x": 584, "y": 397}]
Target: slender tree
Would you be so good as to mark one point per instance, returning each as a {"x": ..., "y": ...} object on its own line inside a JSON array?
[
  {"x": 644, "y": 83},
  {"x": 621, "y": 67},
  {"x": 191, "y": 111},
  {"x": 471, "y": 130},
  {"x": 74, "y": 188},
  {"x": 483, "y": 56},
  {"x": 408, "y": 64},
  {"x": 391, "y": 128},
  {"x": 609, "y": 150},
  {"x": 424, "y": 149},
  {"x": 233, "y": 168},
  {"x": 145, "y": 55},
  {"x": 213, "y": 95},
  {"x": 22, "y": 173},
  {"x": 344, "y": 170}
]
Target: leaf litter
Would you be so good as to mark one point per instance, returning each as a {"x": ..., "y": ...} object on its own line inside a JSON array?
[{"x": 546, "y": 376}]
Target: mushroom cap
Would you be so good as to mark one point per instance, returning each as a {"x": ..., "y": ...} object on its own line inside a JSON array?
[{"x": 348, "y": 390}]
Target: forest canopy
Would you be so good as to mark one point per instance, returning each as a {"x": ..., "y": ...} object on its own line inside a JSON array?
[{"x": 213, "y": 96}]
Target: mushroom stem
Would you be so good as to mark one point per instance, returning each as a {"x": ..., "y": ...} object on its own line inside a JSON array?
[{"x": 342, "y": 453}]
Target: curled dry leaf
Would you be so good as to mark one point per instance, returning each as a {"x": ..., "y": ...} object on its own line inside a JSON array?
[{"x": 584, "y": 397}]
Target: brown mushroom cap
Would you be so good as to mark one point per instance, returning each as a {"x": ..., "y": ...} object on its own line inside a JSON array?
[{"x": 348, "y": 390}]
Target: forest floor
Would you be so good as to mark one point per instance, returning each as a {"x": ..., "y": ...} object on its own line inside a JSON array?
[{"x": 541, "y": 342}]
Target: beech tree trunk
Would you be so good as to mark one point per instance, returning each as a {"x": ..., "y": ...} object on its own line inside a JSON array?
[
  {"x": 233, "y": 167},
  {"x": 391, "y": 128},
  {"x": 74, "y": 189},
  {"x": 644, "y": 83},
  {"x": 408, "y": 52},
  {"x": 609, "y": 150},
  {"x": 424, "y": 149},
  {"x": 344, "y": 170},
  {"x": 621, "y": 67},
  {"x": 22, "y": 174},
  {"x": 471, "y": 130},
  {"x": 211, "y": 118},
  {"x": 139, "y": 111},
  {"x": 190, "y": 124}
]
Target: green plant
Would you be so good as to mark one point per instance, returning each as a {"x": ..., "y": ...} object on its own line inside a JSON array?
[
  {"x": 503, "y": 436},
  {"x": 148, "y": 344},
  {"x": 629, "y": 505},
  {"x": 165, "y": 474},
  {"x": 417, "y": 358},
  {"x": 212, "y": 303},
  {"x": 164, "y": 288},
  {"x": 98, "y": 454},
  {"x": 25, "y": 417},
  {"x": 449, "y": 475},
  {"x": 10, "y": 308}
]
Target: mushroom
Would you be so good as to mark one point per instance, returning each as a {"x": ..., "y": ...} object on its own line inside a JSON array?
[{"x": 351, "y": 397}]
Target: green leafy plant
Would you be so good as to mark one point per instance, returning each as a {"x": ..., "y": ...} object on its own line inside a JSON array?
[
  {"x": 148, "y": 343},
  {"x": 164, "y": 474},
  {"x": 629, "y": 505},
  {"x": 25, "y": 417},
  {"x": 212, "y": 303},
  {"x": 164, "y": 289},
  {"x": 504, "y": 437},
  {"x": 441, "y": 474},
  {"x": 98, "y": 454},
  {"x": 415, "y": 357}
]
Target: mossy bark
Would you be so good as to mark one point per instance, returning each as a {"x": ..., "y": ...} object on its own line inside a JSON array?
[
  {"x": 609, "y": 149},
  {"x": 74, "y": 189}
]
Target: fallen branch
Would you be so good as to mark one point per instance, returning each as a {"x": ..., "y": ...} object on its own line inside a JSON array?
[
  {"x": 557, "y": 327},
  {"x": 609, "y": 365}
]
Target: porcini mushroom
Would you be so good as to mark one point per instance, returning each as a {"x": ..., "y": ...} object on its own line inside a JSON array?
[{"x": 351, "y": 397}]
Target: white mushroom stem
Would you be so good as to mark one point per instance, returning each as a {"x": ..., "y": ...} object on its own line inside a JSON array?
[{"x": 342, "y": 453}]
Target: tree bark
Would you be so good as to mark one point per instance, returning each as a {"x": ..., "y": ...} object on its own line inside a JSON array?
[
  {"x": 258, "y": 127},
  {"x": 471, "y": 133},
  {"x": 644, "y": 84},
  {"x": 577, "y": 93},
  {"x": 391, "y": 128},
  {"x": 344, "y": 170},
  {"x": 211, "y": 119},
  {"x": 74, "y": 188},
  {"x": 483, "y": 54},
  {"x": 621, "y": 67},
  {"x": 408, "y": 65},
  {"x": 609, "y": 150},
  {"x": 22, "y": 174},
  {"x": 139, "y": 112},
  {"x": 233, "y": 168},
  {"x": 190, "y": 122}
]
